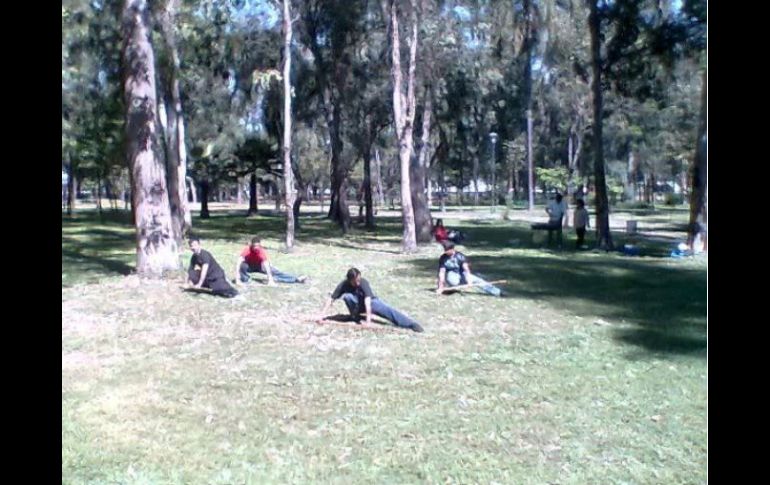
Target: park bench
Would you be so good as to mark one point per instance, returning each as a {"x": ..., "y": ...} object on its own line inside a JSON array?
[{"x": 551, "y": 227}]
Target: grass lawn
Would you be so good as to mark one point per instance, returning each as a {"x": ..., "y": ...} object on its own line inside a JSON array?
[{"x": 592, "y": 370}]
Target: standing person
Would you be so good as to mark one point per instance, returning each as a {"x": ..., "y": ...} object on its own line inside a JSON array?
[
  {"x": 581, "y": 221},
  {"x": 359, "y": 298},
  {"x": 253, "y": 259},
  {"x": 205, "y": 272},
  {"x": 454, "y": 270},
  {"x": 556, "y": 209}
]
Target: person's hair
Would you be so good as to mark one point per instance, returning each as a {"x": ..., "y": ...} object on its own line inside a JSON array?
[
  {"x": 447, "y": 244},
  {"x": 440, "y": 222},
  {"x": 256, "y": 240},
  {"x": 192, "y": 239},
  {"x": 558, "y": 197},
  {"x": 353, "y": 273}
]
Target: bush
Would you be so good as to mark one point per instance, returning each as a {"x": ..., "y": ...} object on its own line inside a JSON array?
[
  {"x": 674, "y": 199},
  {"x": 635, "y": 205}
]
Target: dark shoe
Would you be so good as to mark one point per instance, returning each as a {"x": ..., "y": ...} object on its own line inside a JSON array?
[
  {"x": 417, "y": 328},
  {"x": 303, "y": 279}
]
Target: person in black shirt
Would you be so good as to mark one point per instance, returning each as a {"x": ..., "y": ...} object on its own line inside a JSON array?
[
  {"x": 454, "y": 270},
  {"x": 205, "y": 272},
  {"x": 359, "y": 298}
]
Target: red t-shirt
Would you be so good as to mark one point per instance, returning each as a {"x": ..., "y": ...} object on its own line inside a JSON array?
[
  {"x": 441, "y": 234},
  {"x": 254, "y": 257}
]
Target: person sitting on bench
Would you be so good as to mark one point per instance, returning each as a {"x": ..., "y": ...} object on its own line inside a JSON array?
[
  {"x": 205, "y": 272},
  {"x": 442, "y": 234},
  {"x": 453, "y": 270},
  {"x": 557, "y": 209}
]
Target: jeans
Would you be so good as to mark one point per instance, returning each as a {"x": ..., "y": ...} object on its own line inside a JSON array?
[
  {"x": 454, "y": 278},
  {"x": 379, "y": 308},
  {"x": 278, "y": 276}
]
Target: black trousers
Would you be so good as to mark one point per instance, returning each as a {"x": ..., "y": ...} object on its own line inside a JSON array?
[
  {"x": 581, "y": 234},
  {"x": 218, "y": 286}
]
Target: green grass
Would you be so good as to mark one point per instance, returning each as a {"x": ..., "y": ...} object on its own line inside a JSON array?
[{"x": 593, "y": 370}]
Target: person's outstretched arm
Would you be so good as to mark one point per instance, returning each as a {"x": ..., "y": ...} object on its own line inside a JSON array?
[{"x": 326, "y": 308}]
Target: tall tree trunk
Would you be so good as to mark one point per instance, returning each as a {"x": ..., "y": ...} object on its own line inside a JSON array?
[
  {"x": 699, "y": 184},
  {"x": 530, "y": 165},
  {"x": 99, "y": 193},
  {"x": 630, "y": 188},
  {"x": 156, "y": 248},
  {"x": 604, "y": 236},
  {"x": 288, "y": 174},
  {"x": 403, "y": 111},
  {"x": 192, "y": 189},
  {"x": 176, "y": 150},
  {"x": 71, "y": 191},
  {"x": 443, "y": 188},
  {"x": 253, "y": 209},
  {"x": 422, "y": 218},
  {"x": 527, "y": 50},
  {"x": 380, "y": 192},
  {"x": 369, "y": 219},
  {"x": 573, "y": 153},
  {"x": 475, "y": 179},
  {"x": 205, "y": 199}
]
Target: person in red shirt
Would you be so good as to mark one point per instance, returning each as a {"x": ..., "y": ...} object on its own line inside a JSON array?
[
  {"x": 253, "y": 259},
  {"x": 442, "y": 234},
  {"x": 439, "y": 231}
]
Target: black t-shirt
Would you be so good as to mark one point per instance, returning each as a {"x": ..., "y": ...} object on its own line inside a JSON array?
[
  {"x": 204, "y": 257},
  {"x": 452, "y": 263},
  {"x": 361, "y": 291}
]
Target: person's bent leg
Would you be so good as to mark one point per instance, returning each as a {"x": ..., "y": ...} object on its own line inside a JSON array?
[
  {"x": 221, "y": 287},
  {"x": 453, "y": 278},
  {"x": 243, "y": 272},
  {"x": 384, "y": 310},
  {"x": 351, "y": 301}
]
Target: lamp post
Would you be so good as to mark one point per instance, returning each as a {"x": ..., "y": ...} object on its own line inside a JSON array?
[{"x": 493, "y": 139}]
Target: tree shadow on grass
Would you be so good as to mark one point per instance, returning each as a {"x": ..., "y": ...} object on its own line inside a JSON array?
[
  {"x": 108, "y": 265},
  {"x": 666, "y": 304}
]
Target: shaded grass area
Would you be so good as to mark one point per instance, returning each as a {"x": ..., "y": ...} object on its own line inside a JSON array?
[{"x": 577, "y": 376}]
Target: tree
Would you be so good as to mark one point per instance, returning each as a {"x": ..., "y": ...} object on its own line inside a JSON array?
[
  {"x": 156, "y": 248},
  {"x": 604, "y": 236},
  {"x": 331, "y": 29},
  {"x": 403, "y": 111},
  {"x": 699, "y": 198},
  {"x": 288, "y": 173},
  {"x": 172, "y": 122}
]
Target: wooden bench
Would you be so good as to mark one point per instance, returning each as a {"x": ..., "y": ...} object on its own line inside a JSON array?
[{"x": 551, "y": 227}]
